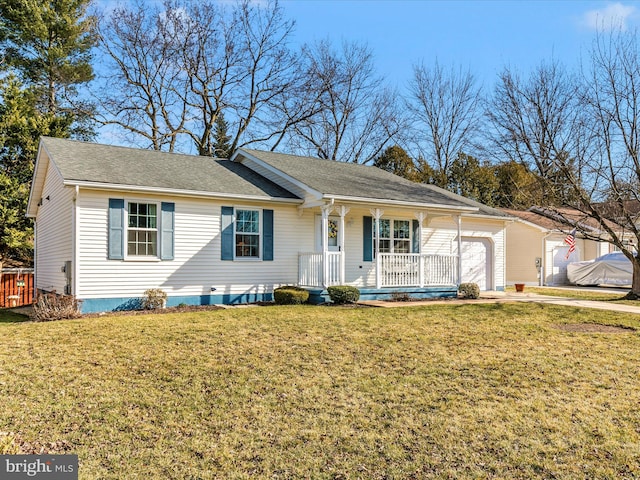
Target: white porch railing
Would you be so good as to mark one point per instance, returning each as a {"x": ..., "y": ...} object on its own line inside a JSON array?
[
  {"x": 414, "y": 269},
  {"x": 395, "y": 269},
  {"x": 311, "y": 270},
  {"x": 399, "y": 269},
  {"x": 441, "y": 269}
]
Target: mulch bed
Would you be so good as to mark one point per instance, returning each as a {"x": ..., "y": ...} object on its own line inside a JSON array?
[{"x": 593, "y": 328}]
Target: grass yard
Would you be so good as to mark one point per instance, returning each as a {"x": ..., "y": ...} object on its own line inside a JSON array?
[{"x": 441, "y": 391}]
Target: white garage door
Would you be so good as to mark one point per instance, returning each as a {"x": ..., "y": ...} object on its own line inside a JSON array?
[
  {"x": 476, "y": 262},
  {"x": 560, "y": 262}
]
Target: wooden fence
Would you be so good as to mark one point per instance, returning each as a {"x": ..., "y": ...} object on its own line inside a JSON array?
[{"x": 16, "y": 288}]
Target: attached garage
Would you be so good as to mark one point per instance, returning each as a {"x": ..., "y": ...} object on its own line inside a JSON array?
[{"x": 476, "y": 262}]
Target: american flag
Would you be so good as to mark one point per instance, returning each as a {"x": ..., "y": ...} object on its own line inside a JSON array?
[{"x": 571, "y": 241}]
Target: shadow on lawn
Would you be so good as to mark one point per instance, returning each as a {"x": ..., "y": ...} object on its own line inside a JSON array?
[{"x": 10, "y": 316}]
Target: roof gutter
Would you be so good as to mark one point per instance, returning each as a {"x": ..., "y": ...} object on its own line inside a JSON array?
[
  {"x": 457, "y": 209},
  {"x": 495, "y": 217}
]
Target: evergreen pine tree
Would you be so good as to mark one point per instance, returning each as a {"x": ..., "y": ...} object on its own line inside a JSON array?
[{"x": 221, "y": 147}]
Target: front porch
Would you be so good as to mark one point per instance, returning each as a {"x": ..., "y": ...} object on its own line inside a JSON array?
[
  {"x": 392, "y": 252},
  {"x": 392, "y": 270}
]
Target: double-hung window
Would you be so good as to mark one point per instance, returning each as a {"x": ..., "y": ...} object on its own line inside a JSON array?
[
  {"x": 394, "y": 236},
  {"x": 247, "y": 233},
  {"x": 142, "y": 229}
]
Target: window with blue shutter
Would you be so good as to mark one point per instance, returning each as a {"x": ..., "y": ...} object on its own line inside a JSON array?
[
  {"x": 136, "y": 230},
  {"x": 395, "y": 236},
  {"x": 246, "y": 234}
]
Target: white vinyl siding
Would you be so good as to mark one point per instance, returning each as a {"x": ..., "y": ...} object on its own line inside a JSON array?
[
  {"x": 54, "y": 235},
  {"x": 196, "y": 267},
  {"x": 441, "y": 238}
]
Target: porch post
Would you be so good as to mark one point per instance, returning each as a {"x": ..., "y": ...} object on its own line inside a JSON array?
[
  {"x": 326, "y": 210},
  {"x": 342, "y": 211},
  {"x": 377, "y": 214},
  {"x": 420, "y": 216},
  {"x": 459, "y": 223}
]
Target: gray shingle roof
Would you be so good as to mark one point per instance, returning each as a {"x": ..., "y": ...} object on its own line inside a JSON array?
[
  {"x": 353, "y": 180},
  {"x": 114, "y": 165},
  {"x": 108, "y": 164}
]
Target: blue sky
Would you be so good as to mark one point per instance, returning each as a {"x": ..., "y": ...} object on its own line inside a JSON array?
[{"x": 482, "y": 36}]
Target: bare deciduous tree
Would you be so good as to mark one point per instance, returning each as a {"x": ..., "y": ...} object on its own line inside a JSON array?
[
  {"x": 446, "y": 109},
  {"x": 611, "y": 163},
  {"x": 178, "y": 67},
  {"x": 535, "y": 122},
  {"x": 144, "y": 86},
  {"x": 589, "y": 132},
  {"x": 238, "y": 64},
  {"x": 352, "y": 116}
]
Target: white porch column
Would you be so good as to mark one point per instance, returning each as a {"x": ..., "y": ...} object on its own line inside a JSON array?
[
  {"x": 420, "y": 216},
  {"x": 377, "y": 214},
  {"x": 342, "y": 211},
  {"x": 459, "y": 223},
  {"x": 326, "y": 210}
]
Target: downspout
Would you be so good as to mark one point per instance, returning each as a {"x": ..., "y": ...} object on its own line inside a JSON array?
[
  {"x": 75, "y": 253},
  {"x": 35, "y": 259},
  {"x": 459, "y": 223}
]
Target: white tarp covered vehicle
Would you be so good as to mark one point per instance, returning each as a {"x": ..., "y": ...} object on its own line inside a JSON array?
[{"x": 610, "y": 269}]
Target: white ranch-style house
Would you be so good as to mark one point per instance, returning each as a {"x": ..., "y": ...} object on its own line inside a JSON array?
[{"x": 112, "y": 222}]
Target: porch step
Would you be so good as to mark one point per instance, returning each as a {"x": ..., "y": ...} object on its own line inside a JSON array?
[{"x": 319, "y": 295}]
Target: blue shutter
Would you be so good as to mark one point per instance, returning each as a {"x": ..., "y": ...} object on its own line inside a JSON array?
[
  {"x": 167, "y": 230},
  {"x": 227, "y": 233},
  {"x": 415, "y": 244},
  {"x": 367, "y": 239},
  {"x": 116, "y": 229},
  {"x": 267, "y": 235}
]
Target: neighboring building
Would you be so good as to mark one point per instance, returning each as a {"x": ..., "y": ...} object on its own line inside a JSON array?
[
  {"x": 112, "y": 222},
  {"x": 536, "y": 247}
]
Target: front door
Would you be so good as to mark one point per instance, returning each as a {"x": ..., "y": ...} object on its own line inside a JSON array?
[{"x": 332, "y": 237}]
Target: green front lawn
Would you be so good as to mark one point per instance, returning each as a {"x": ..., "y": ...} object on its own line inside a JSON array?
[{"x": 440, "y": 391}]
